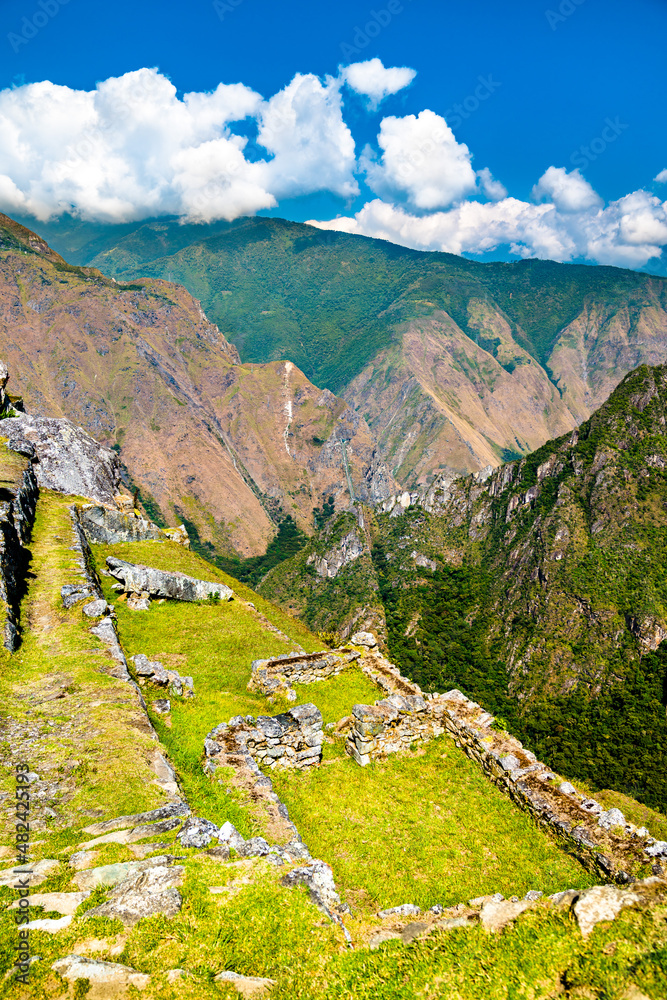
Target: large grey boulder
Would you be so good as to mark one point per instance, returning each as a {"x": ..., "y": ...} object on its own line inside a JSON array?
[
  {"x": 144, "y": 893},
  {"x": 108, "y": 526},
  {"x": 66, "y": 458},
  {"x": 138, "y": 579}
]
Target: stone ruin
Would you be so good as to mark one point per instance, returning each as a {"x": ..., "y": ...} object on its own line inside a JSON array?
[
  {"x": 276, "y": 675},
  {"x": 605, "y": 843},
  {"x": 291, "y": 740}
]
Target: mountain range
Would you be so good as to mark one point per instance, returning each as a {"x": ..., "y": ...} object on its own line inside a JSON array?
[
  {"x": 453, "y": 364},
  {"x": 229, "y": 448}
]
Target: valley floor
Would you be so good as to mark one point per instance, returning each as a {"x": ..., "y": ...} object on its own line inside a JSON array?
[{"x": 425, "y": 828}]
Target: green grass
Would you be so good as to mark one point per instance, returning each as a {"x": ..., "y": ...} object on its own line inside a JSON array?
[
  {"x": 433, "y": 820},
  {"x": 88, "y": 741},
  {"x": 215, "y": 644}
]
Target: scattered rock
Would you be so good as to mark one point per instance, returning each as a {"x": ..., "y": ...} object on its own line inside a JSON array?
[
  {"x": 533, "y": 895},
  {"x": 318, "y": 877},
  {"x": 255, "y": 847},
  {"x": 139, "y": 602},
  {"x": 382, "y": 937},
  {"x": 162, "y": 706},
  {"x": 366, "y": 639},
  {"x": 107, "y": 979},
  {"x": 72, "y": 593},
  {"x": 143, "y": 894},
  {"x": 601, "y": 902},
  {"x": 247, "y": 986},
  {"x": 142, "y": 851},
  {"x": 495, "y": 915},
  {"x": 404, "y": 910},
  {"x": 657, "y": 849},
  {"x": 197, "y": 832},
  {"x": 28, "y": 875},
  {"x": 613, "y": 817},
  {"x": 65, "y": 903},
  {"x": 230, "y": 836},
  {"x": 81, "y": 860},
  {"x": 113, "y": 874},
  {"x": 175, "y": 975},
  {"x": 96, "y": 609},
  {"x": 49, "y": 924},
  {"x": 124, "y": 822},
  {"x": 566, "y": 788},
  {"x": 412, "y": 931}
]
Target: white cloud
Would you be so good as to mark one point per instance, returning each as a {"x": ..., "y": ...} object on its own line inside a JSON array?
[
  {"x": 313, "y": 149},
  {"x": 570, "y": 192},
  {"x": 375, "y": 81},
  {"x": 492, "y": 188},
  {"x": 132, "y": 148},
  {"x": 421, "y": 162},
  {"x": 628, "y": 233}
]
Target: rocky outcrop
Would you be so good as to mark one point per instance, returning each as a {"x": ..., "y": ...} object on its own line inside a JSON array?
[
  {"x": 107, "y": 525},
  {"x": 138, "y": 579},
  {"x": 65, "y": 457},
  {"x": 17, "y": 513}
]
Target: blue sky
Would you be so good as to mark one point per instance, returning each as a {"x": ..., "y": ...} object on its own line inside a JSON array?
[{"x": 575, "y": 86}]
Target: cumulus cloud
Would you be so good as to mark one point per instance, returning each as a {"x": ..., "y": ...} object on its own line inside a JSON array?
[
  {"x": 421, "y": 162},
  {"x": 492, "y": 188},
  {"x": 570, "y": 192},
  {"x": 375, "y": 81},
  {"x": 627, "y": 233},
  {"x": 132, "y": 148},
  {"x": 312, "y": 147}
]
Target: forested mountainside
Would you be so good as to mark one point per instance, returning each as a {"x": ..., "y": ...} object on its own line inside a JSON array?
[
  {"x": 230, "y": 448},
  {"x": 454, "y": 364},
  {"x": 539, "y": 589}
]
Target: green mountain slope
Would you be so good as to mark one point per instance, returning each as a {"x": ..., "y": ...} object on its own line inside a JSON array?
[
  {"x": 454, "y": 364},
  {"x": 541, "y": 592}
]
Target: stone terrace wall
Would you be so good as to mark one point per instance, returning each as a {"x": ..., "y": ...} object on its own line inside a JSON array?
[
  {"x": 292, "y": 739},
  {"x": 278, "y": 673},
  {"x": 604, "y": 841},
  {"x": 391, "y": 725}
]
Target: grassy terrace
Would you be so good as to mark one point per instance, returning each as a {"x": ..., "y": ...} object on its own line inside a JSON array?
[
  {"x": 425, "y": 827},
  {"x": 430, "y": 817}
]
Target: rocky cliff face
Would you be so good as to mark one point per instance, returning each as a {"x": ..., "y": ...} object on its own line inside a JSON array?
[{"x": 230, "y": 447}]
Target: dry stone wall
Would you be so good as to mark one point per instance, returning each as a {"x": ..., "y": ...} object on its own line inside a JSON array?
[
  {"x": 603, "y": 840},
  {"x": 292, "y": 739},
  {"x": 276, "y": 674}
]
